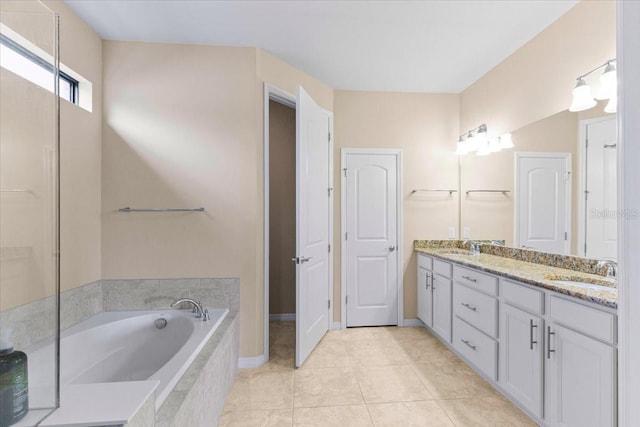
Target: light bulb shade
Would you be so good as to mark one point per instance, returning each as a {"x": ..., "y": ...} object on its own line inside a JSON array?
[
  {"x": 472, "y": 143},
  {"x": 494, "y": 145},
  {"x": 461, "y": 148},
  {"x": 483, "y": 149},
  {"x": 481, "y": 136},
  {"x": 582, "y": 97},
  {"x": 505, "y": 141},
  {"x": 608, "y": 83},
  {"x": 612, "y": 105}
]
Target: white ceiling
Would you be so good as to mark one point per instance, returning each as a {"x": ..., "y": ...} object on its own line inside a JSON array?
[{"x": 415, "y": 46}]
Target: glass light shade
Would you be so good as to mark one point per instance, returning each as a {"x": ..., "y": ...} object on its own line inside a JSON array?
[
  {"x": 483, "y": 149},
  {"x": 612, "y": 105},
  {"x": 608, "y": 83},
  {"x": 494, "y": 145},
  {"x": 505, "y": 141},
  {"x": 582, "y": 97},
  {"x": 481, "y": 136},
  {"x": 472, "y": 143},
  {"x": 461, "y": 148}
]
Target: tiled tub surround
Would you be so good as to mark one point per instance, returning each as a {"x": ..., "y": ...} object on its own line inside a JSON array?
[
  {"x": 212, "y": 372},
  {"x": 540, "y": 269}
]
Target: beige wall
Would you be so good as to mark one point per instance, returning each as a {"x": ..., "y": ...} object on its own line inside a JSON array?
[
  {"x": 536, "y": 81},
  {"x": 80, "y": 141},
  {"x": 423, "y": 126},
  {"x": 282, "y": 208}
]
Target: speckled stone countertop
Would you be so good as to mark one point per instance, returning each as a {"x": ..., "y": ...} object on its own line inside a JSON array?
[{"x": 539, "y": 274}]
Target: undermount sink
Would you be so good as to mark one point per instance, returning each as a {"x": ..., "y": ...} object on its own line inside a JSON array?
[
  {"x": 455, "y": 252},
  {"x": 585, "y": 285}
]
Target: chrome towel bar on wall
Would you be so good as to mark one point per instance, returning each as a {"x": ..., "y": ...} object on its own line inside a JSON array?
[
  {"x": 128, "y": 209},
  {"x": 435, "y": 191},
  {"x": 489, "y": 191}
]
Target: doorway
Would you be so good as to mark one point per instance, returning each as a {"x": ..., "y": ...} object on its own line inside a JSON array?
[
  {"x": 598, "y": 234},
  {"x": 298, "y": 202},
  {"x": 372, "y": 237},
  {"x": 543, "y": 202}
]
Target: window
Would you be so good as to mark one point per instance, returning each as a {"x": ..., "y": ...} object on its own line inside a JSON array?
[{"x": 27, "y": 64}]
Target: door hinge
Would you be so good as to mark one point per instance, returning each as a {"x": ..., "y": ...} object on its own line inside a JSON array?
[
  {"x": 346, "y": 236},
  {"x": 585, "y": 249},
  {"x": 586, "y": 195},
  {"x": 346, "y": 299},
  {"x": 329, "y": 304},
  {"x": 329, "y": 248},
  {"x": 345, "y": 172},
  {"x": 329, "y": 137},
  {"x": 565, "y": 235},
  {"x": 329, "y": 191}
]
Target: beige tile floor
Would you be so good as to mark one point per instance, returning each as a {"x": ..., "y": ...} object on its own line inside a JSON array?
[{"x": 384, "y": 376}]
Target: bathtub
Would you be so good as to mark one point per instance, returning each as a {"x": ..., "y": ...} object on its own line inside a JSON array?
[{"x": 126, "y": 346}]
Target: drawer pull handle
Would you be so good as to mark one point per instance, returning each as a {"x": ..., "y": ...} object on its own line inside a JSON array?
[
  {"x": 470, "y": 307},
  {"x": 471, "y": 279},
  {"x": 549, "y": 333},
  {"x": 531, "y": 340},
  {"x": 471, "y": 346}
]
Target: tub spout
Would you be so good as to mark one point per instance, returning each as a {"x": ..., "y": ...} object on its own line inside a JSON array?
[{"x": 200, "y": 313}]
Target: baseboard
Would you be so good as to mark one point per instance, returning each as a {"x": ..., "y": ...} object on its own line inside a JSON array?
[
  {"x": 412, "y": 323},
  {"x": 336, "y": 325},
  {"x": 284, "y": 317},
  {"x": 251, "y": 362}
]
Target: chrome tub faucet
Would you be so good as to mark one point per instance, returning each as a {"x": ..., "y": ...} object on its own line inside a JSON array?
[{"x": 200, "y": 312}]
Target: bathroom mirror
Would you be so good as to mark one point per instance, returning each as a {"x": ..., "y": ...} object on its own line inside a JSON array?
[{"x": 554, "y": 183}]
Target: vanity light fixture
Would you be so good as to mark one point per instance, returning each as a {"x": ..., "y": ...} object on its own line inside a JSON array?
[
  {"x": 478, "y": 140},
  {"x": 583, "y": 98}
]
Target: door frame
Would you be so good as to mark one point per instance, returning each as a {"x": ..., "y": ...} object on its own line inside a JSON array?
[
  {"x": 343, "y": 225},
  {"x": 521, "y": 154},
  {"x": 582, "y": 164},
  {"x": 272, "y": 93}
]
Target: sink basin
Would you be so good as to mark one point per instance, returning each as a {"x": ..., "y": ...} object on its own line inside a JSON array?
[
  {"x": 455, "y": 252},
  {"x": 585, "y": 285}
]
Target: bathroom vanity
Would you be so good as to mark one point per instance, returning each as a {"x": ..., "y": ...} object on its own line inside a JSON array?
[{"x": 540, "y": 328}]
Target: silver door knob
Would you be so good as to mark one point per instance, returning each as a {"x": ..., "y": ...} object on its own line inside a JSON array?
[
  {"x": 303, "y": 259},
  {"x": 392, "y": 248}
]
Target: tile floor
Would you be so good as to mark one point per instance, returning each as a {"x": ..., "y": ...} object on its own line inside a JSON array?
[{"x": 384, "y": 376}]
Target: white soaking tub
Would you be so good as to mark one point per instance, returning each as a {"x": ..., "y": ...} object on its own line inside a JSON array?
[{"x": 127, "y": 347}]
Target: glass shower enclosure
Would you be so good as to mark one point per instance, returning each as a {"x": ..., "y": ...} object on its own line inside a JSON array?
[{"x": 29, "y": 198}]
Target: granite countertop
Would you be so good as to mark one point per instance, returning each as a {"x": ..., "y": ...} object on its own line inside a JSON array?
[{"x": 531, "y": 273}]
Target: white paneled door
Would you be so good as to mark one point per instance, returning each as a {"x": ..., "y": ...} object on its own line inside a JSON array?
[
  {"x": 543, "y": 192},
  {"x": 313, "y": 196},
  {"x": 371, "y": 238},
  {"x": 600, "y": 189}
]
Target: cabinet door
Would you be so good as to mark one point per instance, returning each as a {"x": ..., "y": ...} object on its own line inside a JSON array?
[
  {"x": 425, "y": 297},
  {"x": 581, "y": 380},
  {"x": 521, "y": 357},
  {"x": 441, "y": 288}
]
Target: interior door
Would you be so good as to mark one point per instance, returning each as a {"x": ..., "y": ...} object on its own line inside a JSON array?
[
  {"x": 312, "y": 224},
  {"x": 371, "y": 240},
  {"x": 600, "y": 190},
  {"x": 543, "y": 182}
]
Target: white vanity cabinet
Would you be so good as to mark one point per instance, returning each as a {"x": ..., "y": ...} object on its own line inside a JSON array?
[
  {"x": 425, "y": 293},
  {"x": 522, "y": 345},
  {"x": 434, "y": 295},
  {"x": 580, "y": 368}
]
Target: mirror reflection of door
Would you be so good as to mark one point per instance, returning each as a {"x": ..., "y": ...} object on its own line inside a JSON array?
[
  {"x": 543, "y": 207},
  {"x": 599, "y": 227}
]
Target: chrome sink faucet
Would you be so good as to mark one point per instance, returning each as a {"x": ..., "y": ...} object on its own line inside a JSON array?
[
  {"x": 475, "y": 246},
  {"x": 612, "y": 267},
  {"x": 200, "y": 313}
]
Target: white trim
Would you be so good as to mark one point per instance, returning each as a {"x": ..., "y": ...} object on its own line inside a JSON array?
[
  {"x": 582, "y": 167},
  {"x": 413, "y": 323},
  {"x": 628, "y": 65},
  {"x": 567, "y": 156},
  {"x": 283, "y": 317},
  {"x": 336, "y": 326},
  {"x": 270, "y": 92},
  {"x": 331, "y": 207},
  {"x": 399, "y": 228},
  {"x": 251, "y": 362}
]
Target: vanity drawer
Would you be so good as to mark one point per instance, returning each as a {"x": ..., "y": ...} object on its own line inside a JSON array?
[
  {"x": 526, "y": 298},
  {"x": 476, "y": 308},
  {"x": 442, "y": 268},
  {"x": 425, "y": 262},
  {"x": 476, "y": 347},
  {"x": 476, "y": 280},
  {"x": 589, "y": 321}
]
